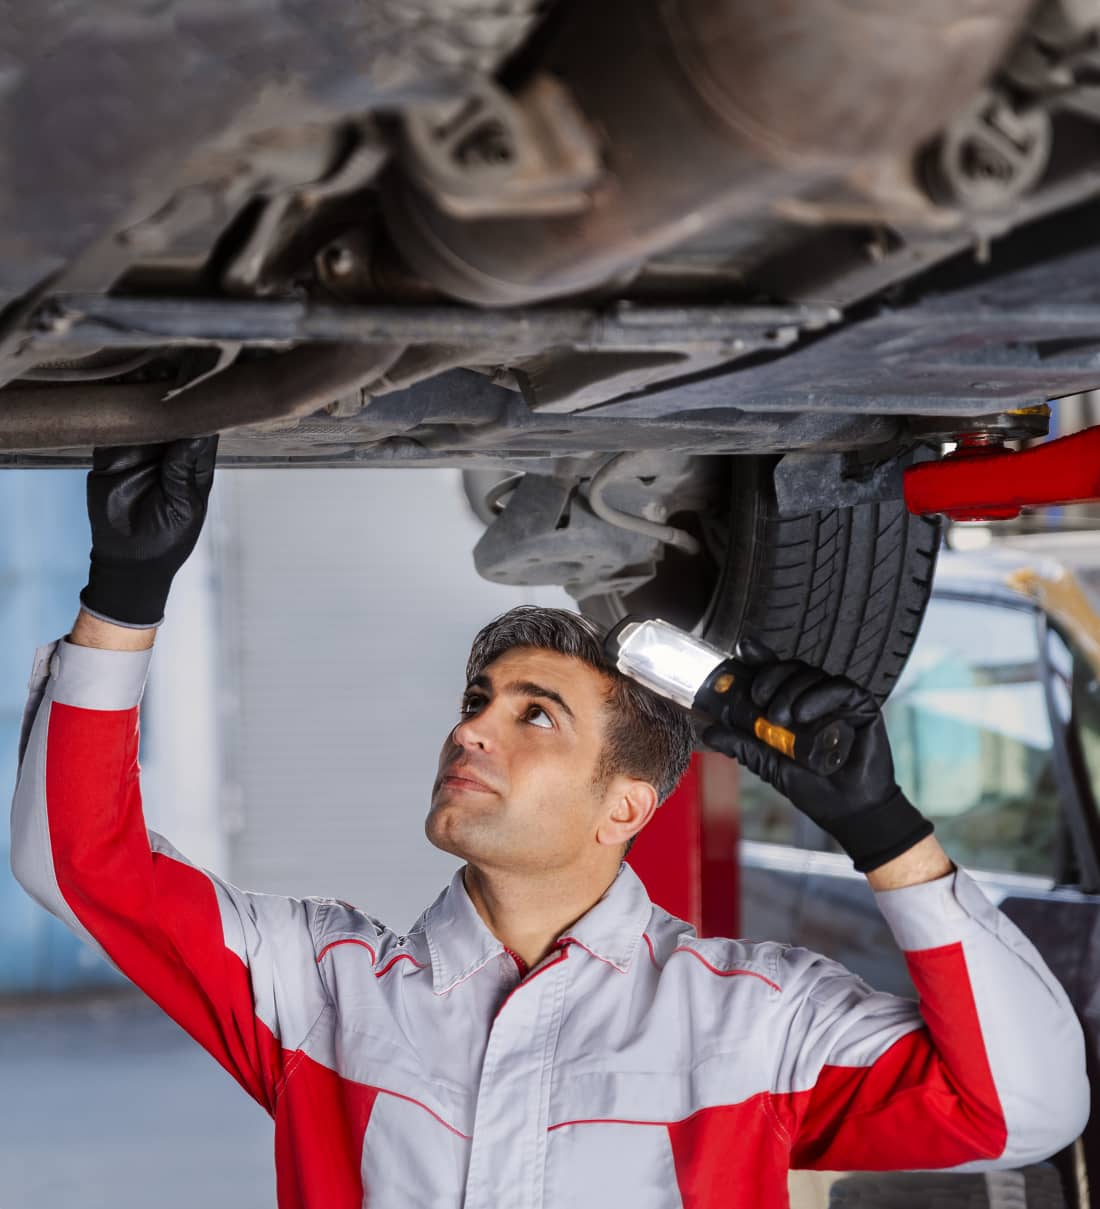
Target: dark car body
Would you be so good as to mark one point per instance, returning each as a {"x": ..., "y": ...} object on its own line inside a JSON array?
[{"x": 995, "y": 729}]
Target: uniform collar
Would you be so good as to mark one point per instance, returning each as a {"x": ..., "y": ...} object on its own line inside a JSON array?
[{"x": 460, "y": 943}]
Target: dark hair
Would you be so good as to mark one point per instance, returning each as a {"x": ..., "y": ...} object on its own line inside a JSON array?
[{"x": 647, "y": 736}]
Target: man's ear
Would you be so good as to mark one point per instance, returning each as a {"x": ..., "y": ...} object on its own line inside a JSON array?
[{"x": 630, "y": 805}]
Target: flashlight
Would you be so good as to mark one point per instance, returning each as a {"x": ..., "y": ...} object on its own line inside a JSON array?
[{"x": 701, "y": 677}]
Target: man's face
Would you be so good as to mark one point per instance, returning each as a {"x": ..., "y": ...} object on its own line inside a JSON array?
[{"x": 517, "y": 776}]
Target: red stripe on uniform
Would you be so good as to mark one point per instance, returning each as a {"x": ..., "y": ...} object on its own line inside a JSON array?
[
  {"x": 320, "y": 1123},
  {"x": 947, "y": 1005},
  {"x": 730, "y": 973},
  {"x": 521, "y": 965},
  {"x": 731, "y": 1155},
  {"x": 385, "y": 1091},
  {"x": 348, "y": 940},
  {"x": 400, "y": 957},
  {"x": 572, "y": 940},
  {"x": 351, "y": 940},
  {"x": 157, "y": 918},
  {"x": 528, "y": 980},
  {"x": 713, "y": 969},
  {"x": 928, "y": 1101}
]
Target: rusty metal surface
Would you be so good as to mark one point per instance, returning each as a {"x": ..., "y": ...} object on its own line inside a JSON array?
[
  {"x": 500, "y": 155},
  {"x": 808, "y": 80},
  {"x": 978, "y": 343},
  {"x": 102, "y": 104},
  {"x": 745, "y": 104},
  {"x": 456, "y": 419},
  {"x": 298, "y": 384},
  {"x": 119, "y": 322}
]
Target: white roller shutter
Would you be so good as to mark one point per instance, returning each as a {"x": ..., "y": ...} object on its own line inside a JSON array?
[{"x": 349, "y": 600}]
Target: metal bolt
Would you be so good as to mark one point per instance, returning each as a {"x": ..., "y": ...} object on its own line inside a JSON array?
[
  {"x": 53, "y": 318},
  {"x": 487, "y": 145},
  {"x": 981, "y": 439},
  {"x": 341, "y": 262}
]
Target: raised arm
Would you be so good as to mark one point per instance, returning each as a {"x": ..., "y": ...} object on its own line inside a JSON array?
[
  {"x": 238, "y": 971},
  {"x": 103, "y": 635},
  {"x": 988, "y": 1069}
]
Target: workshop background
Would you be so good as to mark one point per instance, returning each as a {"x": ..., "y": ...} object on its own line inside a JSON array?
[{"x": 310, "y": 665}]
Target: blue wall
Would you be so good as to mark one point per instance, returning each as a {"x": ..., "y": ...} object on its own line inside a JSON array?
[{"x": 44, "y": 542}]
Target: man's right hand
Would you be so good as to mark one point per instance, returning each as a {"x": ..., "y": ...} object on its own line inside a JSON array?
[{"x": 146, "y": 505}]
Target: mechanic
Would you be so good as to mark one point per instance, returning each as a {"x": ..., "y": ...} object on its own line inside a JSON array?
[{"x": 545, "y": 1035}]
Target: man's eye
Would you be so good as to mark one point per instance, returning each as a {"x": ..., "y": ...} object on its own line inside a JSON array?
[
  {"x": 470, "y": 705},
  {"x": 534, "y": 713}
]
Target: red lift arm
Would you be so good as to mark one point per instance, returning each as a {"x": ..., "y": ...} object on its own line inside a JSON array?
[{"x": 980, "y": 482}]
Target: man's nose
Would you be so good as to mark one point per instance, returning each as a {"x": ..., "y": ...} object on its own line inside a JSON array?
[{"x": 474, "y": 731}]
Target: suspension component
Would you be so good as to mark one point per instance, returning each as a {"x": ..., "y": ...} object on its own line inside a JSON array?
[
  {"x": 1020, "y": 424},
  {"x": 983, "y": 481},
  {"x": 990, "y": 155}
]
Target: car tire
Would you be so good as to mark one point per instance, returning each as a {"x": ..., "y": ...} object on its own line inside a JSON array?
[{"x": 842, "y": 588}]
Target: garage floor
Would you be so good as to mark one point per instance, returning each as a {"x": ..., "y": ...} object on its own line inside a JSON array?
[{"x": 108, "y": 1105}]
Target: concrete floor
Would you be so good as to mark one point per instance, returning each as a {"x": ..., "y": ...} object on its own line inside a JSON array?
[{"x": 109, "y": 1105}]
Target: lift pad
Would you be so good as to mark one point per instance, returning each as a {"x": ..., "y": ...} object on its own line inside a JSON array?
[{"x": 990, "y": 483}]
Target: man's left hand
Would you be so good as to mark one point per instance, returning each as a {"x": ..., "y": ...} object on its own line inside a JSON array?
[{"x": 860, "y": 805}]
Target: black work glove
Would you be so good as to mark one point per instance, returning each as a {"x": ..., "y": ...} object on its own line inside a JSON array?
[
  {"x": 146, "y": 504},
  {"x": 860, "y": 805}
]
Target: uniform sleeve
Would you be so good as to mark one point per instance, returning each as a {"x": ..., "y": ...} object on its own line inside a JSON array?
[
  {"x": 986, "y": 1072},
  {"x": 238, "y": 971}
]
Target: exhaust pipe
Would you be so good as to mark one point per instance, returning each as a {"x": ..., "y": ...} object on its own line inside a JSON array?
[
  {"x": 710, "y": 110},
  {"x": 298, "y": 383}
]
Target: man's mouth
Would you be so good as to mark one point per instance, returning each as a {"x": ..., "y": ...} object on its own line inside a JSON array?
[{"x": 461, "y": 779}]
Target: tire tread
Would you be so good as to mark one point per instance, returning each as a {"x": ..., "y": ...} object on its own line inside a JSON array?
[{"x": 843, "y": 588}]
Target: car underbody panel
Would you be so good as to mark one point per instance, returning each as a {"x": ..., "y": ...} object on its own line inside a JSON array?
[
  {"x": 956, "y": 355},
  {"x": 554, "y": 240}
]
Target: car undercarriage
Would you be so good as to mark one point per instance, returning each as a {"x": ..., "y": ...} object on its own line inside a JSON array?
[{"x": 683, "y": 286}]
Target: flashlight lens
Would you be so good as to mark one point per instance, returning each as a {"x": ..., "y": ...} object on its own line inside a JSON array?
[{"x": 665, "y": 659}]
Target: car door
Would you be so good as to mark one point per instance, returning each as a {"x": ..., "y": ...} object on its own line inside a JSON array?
[
  {"x": 995, "y": 729},
  {"x": 775, "y": 848},
  {"x": 974, "y": 749},
  {"x": 1067, "y": 933}
]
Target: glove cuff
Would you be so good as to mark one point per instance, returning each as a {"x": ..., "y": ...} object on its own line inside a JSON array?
[
  {"x": 125, "y": 596},
  {"x": 879, "y": 833}
]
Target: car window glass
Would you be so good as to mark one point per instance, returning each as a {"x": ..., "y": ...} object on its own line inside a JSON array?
[
  {"x": 1085, "y": 704},
  {"x": 971, "y": 737},
  {"x": 765, "y": 813},
  {"x": 971, "y": 740}
]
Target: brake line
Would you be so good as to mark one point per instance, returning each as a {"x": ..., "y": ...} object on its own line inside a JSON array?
[{"x": 614, "y": 469}]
